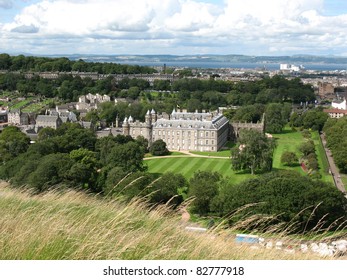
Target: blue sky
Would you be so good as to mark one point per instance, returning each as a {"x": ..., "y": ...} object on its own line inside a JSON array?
[{"x": 250, "y": 27}]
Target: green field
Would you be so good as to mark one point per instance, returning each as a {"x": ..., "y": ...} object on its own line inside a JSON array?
[{"x": 188, "y": 165}]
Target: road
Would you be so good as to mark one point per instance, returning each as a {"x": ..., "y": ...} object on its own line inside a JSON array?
[{"x": 333, "y": 168}]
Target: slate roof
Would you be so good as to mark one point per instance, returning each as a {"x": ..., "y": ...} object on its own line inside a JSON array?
[
  {"x": 193, "y": 121},
  {"x": 45, "y": 118}
]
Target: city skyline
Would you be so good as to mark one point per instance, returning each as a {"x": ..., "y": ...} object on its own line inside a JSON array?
[{"x": 179, "y": 27}]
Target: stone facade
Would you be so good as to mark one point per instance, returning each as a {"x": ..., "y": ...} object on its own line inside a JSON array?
[
  {"x": 17, "y": 117},
  {"x": 181, "y": 130},
  {"x": 236, "y": 127},
  {"x": 90, "y": 101},
  {"x": 43, "y": 121}
]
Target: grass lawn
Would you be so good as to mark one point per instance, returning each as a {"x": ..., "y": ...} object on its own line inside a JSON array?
[
  {"x": 36, "y": 107},
  {"x": 289, "y": 141},
  {"x": 225, "y": 153},
  {"x": 20, "y": 104},
  {"x": 188, "y": 165},
  {"x": 149, "y": 155},
  {"x": 344, "y": 180},
  {"x": 322, "y": 159}
]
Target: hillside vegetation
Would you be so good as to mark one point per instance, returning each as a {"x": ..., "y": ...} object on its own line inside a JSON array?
[{"x": 74, "y": 225}]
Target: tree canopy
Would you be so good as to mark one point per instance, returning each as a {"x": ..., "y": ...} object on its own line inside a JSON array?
[
  {"x": 253, "y": 152},
  {"x": 287, "y": 197}
]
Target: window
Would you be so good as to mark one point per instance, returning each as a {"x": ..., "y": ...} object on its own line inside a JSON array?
[
  {"x": 206, "y": 142},
  {"x": 212, "y": 134},
  {"x": 206, "y": 134}
]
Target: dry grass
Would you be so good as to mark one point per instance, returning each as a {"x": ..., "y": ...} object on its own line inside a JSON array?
[{"x": 71, "y": 225}]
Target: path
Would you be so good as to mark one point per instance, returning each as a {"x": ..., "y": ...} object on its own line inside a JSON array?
[
  {"x": 185, "y": 154},
  {"x": 333, "y": 168}
]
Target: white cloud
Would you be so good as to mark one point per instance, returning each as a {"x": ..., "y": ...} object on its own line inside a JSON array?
[{"x": 176, "y": 26}]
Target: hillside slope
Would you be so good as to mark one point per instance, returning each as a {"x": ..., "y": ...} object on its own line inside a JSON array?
[{"x": 75, "y": 226}]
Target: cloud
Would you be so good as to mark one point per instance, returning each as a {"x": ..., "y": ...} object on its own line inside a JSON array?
[
  {"x": 178, "y": 26},
  {"x": 25, "y": 29},
  {"x": 6, "y": 4}
]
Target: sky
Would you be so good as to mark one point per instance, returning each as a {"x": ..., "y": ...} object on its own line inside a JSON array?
[{"x": 177, "y": 27}]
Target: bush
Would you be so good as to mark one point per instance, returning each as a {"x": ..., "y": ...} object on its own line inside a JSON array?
[
  {"x": 289, "y": 158},
  {"x": 158, "y": 148}
]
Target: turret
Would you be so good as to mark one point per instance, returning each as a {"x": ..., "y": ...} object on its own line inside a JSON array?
[
  {"x": 148, "y": 118},
  {"x": 126, "y": 127},
  {"x": 153, "y": 116}
]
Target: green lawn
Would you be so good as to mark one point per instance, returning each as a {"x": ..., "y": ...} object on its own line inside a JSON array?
[
  {"x": 225, "y": 153},
  {"x": 20, "y": 104},
  {"x": 188, "y": 165},
  {"x": 289, "y": 141},
  {"x": 322, "y": 159}
]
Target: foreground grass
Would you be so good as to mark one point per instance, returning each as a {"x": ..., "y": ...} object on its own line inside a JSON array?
[{"x": 74, "y": 225}]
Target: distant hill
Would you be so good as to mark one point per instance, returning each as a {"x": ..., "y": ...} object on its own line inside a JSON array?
[{"x": 297, "y": 59}]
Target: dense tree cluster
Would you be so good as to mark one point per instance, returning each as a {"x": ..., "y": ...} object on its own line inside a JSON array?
[
  {"x": 285, "y": 196},
  {"x": 73, "y": 157},
  {"x": 309, "y": 119},
  {"x": 63, "y": 64},
  {"x": 336, "y": 136},
  {"x": 253, "y": 152}
]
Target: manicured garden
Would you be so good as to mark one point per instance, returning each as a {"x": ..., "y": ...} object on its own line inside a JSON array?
[{"x": 288, "y": 140}]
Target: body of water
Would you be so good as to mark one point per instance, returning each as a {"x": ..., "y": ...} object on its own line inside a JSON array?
[{"x": 221, "y": 64}]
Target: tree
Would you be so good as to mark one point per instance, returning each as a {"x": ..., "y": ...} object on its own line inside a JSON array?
[
  {"x": 275, "y": 194},
  {"x": 169, "y": 187},
  {"x": 143, "y": 142},
  {"x": 51, "y": 170},
  {"x": 46, "y": 133},
  {"x": 128, "y": 156},
  {"x": 289, "y": 158},
  {"x": 253, "y": 152},
  {"x": 276, "y": 116},
  {"x": 203, "y": 186},
  {"x": 307, "y": 148},
  {"x": 12, "y": 143},
  {"x": 158, "y": 148},
  {"x": 83, "y": 172}
]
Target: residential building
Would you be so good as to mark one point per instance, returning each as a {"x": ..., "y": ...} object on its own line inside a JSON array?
[{"x": 43, "y": 121}]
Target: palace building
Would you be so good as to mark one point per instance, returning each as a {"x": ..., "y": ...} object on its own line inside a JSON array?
[{"x": 182, "y": 130}]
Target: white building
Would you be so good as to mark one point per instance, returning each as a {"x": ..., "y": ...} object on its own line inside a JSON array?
[{"x": 341, "y": 105}]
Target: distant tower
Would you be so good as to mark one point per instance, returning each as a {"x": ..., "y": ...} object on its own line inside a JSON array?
[
  {"x": 117, "y": 121},
  {"x": 164, "y": 69},
  {"x": 126, "y": 127}
]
